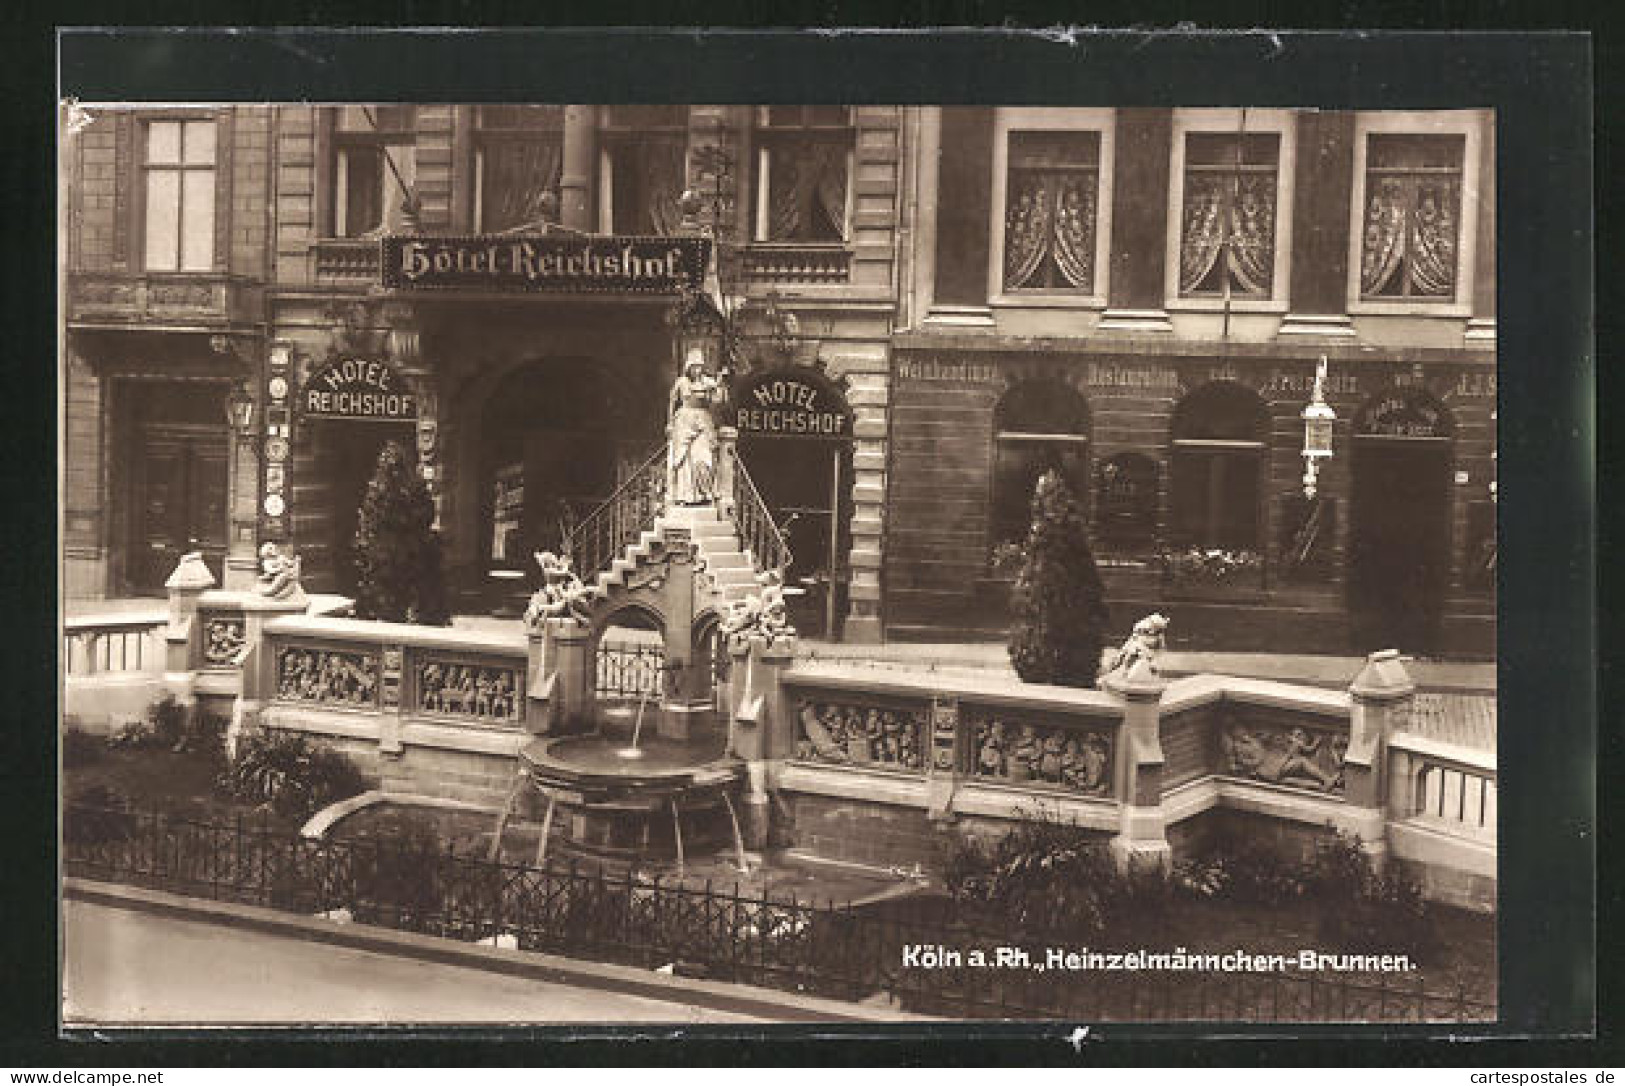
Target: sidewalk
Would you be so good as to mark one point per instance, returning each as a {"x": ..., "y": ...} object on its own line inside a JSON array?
[{"x": 134, "y": 956}]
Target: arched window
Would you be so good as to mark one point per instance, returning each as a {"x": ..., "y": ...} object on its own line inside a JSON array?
[
  {"x": 1219, "y": 432},
  {"x": 1038, "y": 425}
]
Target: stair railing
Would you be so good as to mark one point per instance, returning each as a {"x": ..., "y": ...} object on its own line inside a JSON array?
[
  {"x": 758, "y": 533},
  {"x": 604, "y": 534}
]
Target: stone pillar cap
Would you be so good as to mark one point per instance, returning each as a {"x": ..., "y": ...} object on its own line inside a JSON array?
[
  {"x": 1140, "y": 682},
  {"x": 191, "y": 572},
  {"x": 1383, "y": 677}
]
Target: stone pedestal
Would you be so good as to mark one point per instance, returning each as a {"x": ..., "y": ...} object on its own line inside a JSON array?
[
  {"x": 760, "y": 724},
  {"x": 1380, "y": 697},
  {"x": 183, "y": 649},
  {"x": 1142, "y": 838},
  {"x": 558, "y": 689}
]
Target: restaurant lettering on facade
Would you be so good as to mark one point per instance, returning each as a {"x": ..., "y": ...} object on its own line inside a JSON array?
[
  {"x": 541, "y": 263},
  {"x": 791, "y": 403},
  {"x": 357, "y": 388}
]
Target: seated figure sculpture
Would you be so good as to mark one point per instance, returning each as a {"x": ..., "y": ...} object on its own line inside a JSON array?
[
  {"x": 1144, "y": 643},
  {"x": 279, "y": 574},
  {"x": 763, "y": 614},
  {"x": 562, "y": 594}
]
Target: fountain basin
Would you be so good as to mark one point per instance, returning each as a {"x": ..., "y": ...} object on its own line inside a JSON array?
[{"x": 670, "y": 801}]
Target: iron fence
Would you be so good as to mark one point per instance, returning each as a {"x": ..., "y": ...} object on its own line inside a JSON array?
[
  {"x": 628, "y": 670},
  {"x": 901, "y": 954}
]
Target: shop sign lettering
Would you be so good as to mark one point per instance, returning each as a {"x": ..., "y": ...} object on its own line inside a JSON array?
[
  {"x": 958, "y": 371},
  {"x": 612, "y": 263},
  {"x": 1403, "y": 416},
  {"x": 791, "y": 403},
  {"x": 1116, "y": 375},
  {"x": 357, "y": 388}
]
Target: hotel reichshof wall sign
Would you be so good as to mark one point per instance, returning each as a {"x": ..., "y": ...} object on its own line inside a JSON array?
[
  {"x": 795, "y": 402},
  {"x": 609, "y": 263},
  {"x": 358, "y": 388}
]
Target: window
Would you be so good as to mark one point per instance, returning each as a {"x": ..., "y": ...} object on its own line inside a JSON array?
[
  {"x": 1218, "y": 453},
  {"x": 179, "y": 182},
  {"x": 643, "y": 168},
  {"x": 1227, "y": 227},
  {"x": 1126, "y": 500},
  {"x": 519, "y": 156},
  {"x": 373, "y": 180},
  {"x": 1038, "y": 425},
  {"x": 1052, "y": 192},
  {"x": 1411, "y": 235},
  {"x": 804, "y": 169}
]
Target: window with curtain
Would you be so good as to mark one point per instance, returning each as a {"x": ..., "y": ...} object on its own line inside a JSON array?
[
  {"x": 1412, "y": 217},
  {"x": 1052, "y": 197},
  {"x": 1227, "y": 232},
  {"x": 1126, "y": 500},
  {"x": 179, "y": 175},
  {"x": 1217, "y": 471},
  {"x": 1038, "y": 425},
  {"x": 519, "y": 156},
  {"x": 374, "y": 174},
  {"x": 644, "y": 156},
  {"x": 805, "y": 164}
]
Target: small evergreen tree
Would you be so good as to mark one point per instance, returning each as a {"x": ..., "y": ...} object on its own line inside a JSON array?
[
  {"x": 1059, "y": 602},
  {"x": 399, "y": 576}
]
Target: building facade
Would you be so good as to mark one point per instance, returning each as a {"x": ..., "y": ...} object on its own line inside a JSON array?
[
  {"x": 1140, "y": 298},
  {"x": 259, "y": 297}
]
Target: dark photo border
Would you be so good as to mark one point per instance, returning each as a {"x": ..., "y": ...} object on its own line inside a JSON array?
[{"x": 1539, "y": 84}]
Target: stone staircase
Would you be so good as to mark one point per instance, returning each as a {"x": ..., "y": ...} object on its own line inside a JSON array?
[{"x": 726, "y": 573}]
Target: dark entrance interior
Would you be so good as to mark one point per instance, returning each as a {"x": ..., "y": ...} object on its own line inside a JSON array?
[
  {"x": 554, "y": 439},
  {"x": 1399, "y": 542},
  {"x": 807, "y": 486},
  {"x": 174, "y": 483}
]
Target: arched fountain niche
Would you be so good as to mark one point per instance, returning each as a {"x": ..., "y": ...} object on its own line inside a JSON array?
[{"x": 653, "y": 778}]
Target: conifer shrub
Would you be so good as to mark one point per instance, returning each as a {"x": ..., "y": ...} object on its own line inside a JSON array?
[
  {"x": 400, "y": 575},
  {"x": 1059, "y": 602}
]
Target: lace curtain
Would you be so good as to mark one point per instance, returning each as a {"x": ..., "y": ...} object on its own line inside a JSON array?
[
  {"x": 664, "y": 176},
  {"x": 518, "y": 174},
  {"x": 807, "y": 199},
  {"x": 1410, "y": 221},
  {"x": 1230, "y": 217},
  {"x": 1049, "y": 215}
]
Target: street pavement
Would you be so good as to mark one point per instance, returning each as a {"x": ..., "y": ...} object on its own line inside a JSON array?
[{"x": 126, "y": 967}]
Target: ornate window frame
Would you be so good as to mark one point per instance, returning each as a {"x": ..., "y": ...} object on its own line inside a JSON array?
[
  {"x": 1444, "y": 122},
  {"x": 1278, "y": 122},
  {"x": 1051, "y": 119}
]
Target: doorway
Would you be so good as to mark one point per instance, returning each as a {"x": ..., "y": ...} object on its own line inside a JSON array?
[
  {"x": 1399, "y": 542},
  {"x": 174, "y": 486},
  {"x": 806, "y": 486},
  {"x": 350, "y": 457}
]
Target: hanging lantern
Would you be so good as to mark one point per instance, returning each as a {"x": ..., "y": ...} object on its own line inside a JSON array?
[{"x": 1318, "y": 418}]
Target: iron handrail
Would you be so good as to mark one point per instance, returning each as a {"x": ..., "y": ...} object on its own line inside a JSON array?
[
  {"x": 617, "y": 521},
  {"x": 758, "y": 531}
]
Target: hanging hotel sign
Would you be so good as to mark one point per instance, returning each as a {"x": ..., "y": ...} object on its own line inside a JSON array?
[
  {"x": 608, "y": 263},
  {"x": 358, "y": 388},
  {"x": 793, "y": 402}
]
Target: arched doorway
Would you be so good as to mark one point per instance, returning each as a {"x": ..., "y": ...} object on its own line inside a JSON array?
[
  {"x": 795, "y": 440},
  {"x": 1038, "y": 425},
  {"x": 1219, "y": 431},
  {"x": 1399, "y": 521},
  {"x": 345, "y": 459}
]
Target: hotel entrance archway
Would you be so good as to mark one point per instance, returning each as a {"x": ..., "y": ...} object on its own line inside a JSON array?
[
  {"x": 795, "y": 432},
  {"x": 1399, "y": 523}
]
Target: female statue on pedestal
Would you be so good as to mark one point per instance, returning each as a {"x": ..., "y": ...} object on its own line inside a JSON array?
[{"x": 692, "y": 435}]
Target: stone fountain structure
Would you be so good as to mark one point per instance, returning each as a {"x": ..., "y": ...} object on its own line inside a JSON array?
[{"x": 686, "y": 777}]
